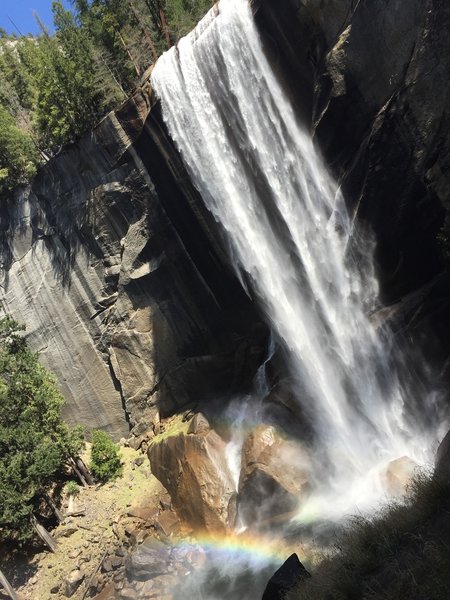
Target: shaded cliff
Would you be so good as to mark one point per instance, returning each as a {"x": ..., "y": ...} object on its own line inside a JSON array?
[
  {"x": 370, "y": 80},
  {"x": 110, "y": 262}
]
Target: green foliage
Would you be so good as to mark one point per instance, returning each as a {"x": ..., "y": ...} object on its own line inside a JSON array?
[
  {"x": 105, "y": 457},
  {"x": 34, "y": 442},
  {"x": 18, "y": 155},
  {"x": 72, "y": 488},
  {"x": 402, "y": 552},
  {"x": 182, "y": 15},
  {"x": 56, "y": 87}
]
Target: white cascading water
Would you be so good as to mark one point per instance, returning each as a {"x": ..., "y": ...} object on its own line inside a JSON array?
[{"x": 259, "y": 174}]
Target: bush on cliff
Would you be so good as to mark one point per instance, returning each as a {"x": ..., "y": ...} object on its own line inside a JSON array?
[
  {"x": 18, "y": 155},
  {"x": 403, "y": 552},
  {"x": 105, "y": 457},
  {"x": 34, "y": 441}
]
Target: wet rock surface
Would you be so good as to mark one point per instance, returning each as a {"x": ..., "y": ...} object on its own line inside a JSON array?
[
  {"x": 193, "y": 469},
  {"x": 274, "y": 477},
  {"x": 442, "y": 463},
  {"x": 368, "y": 80}
]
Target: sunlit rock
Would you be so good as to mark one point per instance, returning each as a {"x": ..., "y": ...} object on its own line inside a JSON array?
[
  {"x": 73, "y": 582},
  {"x": 193, "y": 468},
  {"x": 398, "y": 475},
  {"x": 274, "y": 477},
  {"x": 199, "y": 425}
]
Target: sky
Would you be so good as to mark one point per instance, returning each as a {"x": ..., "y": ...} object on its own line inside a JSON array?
[{"x": 21, "y": 12}]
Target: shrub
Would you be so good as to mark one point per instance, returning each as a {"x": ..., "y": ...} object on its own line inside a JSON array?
[
  {"x": 72, "y": 488},
  {"x": 105, "y": 457}
]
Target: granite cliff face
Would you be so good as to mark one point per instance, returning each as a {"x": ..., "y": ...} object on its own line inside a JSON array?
[
  {"x": 114, "y": 265},
  {"x": 110, "y": 262}
]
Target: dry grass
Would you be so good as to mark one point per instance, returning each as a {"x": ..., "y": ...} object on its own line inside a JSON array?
[{"x": 402, "y": 553}]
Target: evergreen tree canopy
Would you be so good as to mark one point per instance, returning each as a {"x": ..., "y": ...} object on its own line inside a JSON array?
[
  {"x": 53, "y": 88},
  {"x": 34, "y": 441},
  {"x": 105, "y": 457}
]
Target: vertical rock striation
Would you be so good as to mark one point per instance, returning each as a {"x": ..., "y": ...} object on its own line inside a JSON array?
[{"x": 110, "y": 262}]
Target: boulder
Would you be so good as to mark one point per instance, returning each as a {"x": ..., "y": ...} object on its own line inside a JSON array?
[
  {"x": 193, "y": 469},
  {"x": 168, "y": 522},
  {"x": 73, "y": 582},
  {"x": 442, "y": 464},
  {"x": 398, "y": 475},
  {"x": 285, "y": 579},
  {"x": 199, "y": 424},
  {"x": 274, "y": 477},
  {"x": 149, "y": 560}
]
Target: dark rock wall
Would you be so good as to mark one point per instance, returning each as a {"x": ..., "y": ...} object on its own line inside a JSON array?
[{"x": 371, "y": 82}]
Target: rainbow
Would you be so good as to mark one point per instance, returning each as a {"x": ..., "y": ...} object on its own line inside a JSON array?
[{"x": 255, "y": 548}]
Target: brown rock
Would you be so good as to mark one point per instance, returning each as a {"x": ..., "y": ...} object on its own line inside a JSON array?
[
  {"x": 107, "y": 593},
  {"x": 95, "y": 586},
  {"x": 398, "y": 474},
  {"x": 149, "y": 560},
  {"x": 168, "y": 522},
  {"x": 66, "y": 531},
  {"x": 165, "y": 502},
  {"x": 107, "y": 566},
  {"x": 73, "y": 582},
  {"x": 199, "y": 425},
  {"x": 128, "y": 594},
  {"x": 143, "y": 513},
  {"x": 274, "y": 477},
  {"x": 194, "y": 471},
  {"x": 116, "y": 562}
]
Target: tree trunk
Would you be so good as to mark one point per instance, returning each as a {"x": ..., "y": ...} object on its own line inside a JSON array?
[
  {"x": 78, "y": 473},
  {"x": 44, "y": 535},
  {"x": 7, "y": 587},
  {"x": 70, "y": 504},
  {"x": 145, "y": 32},
  {"x": 58, "y": 513},
  {"x": 130, "y": 56},
  {"x": 165, "y": 28},
  {"x": 84, "y": 470}
]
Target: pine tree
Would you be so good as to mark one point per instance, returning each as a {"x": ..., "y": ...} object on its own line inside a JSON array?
[
  {"x": 105, "y": 458},
  {"x": 18, "y": 154},
  {"x": 34, "y": 442}
]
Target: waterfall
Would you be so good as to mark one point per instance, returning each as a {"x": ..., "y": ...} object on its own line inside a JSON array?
[{"x": 291, "y": 239}]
